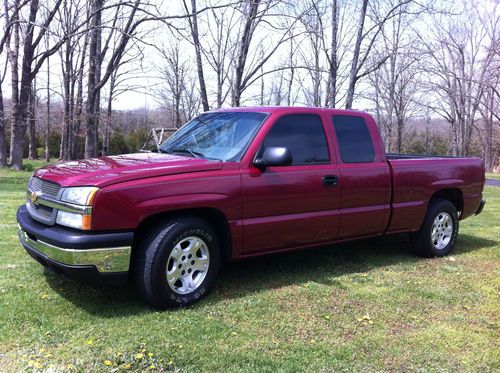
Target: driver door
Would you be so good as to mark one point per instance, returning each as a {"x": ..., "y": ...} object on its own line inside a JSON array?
[{"x": 296, "y": 205}]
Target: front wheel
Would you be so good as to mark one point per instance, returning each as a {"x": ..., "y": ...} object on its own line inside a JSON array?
[
  {"x": 177, "y": 262},
  {"x": 439, "y": 231}
]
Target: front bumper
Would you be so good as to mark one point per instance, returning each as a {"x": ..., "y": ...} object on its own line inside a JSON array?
[{"x": 93, "y": 258}]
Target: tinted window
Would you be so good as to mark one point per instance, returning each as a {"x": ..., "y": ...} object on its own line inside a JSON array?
[
  {"x": 353, "y": 138},
  {"x": 303, "y": 135}
]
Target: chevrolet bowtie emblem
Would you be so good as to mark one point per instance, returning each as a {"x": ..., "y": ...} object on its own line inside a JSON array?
[{"x": 34, "y": 197}]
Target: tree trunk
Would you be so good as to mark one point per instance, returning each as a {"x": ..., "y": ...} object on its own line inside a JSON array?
[
  {"x": 245, "y": 40},
  {"x": 3, "y": 122},
  {"x": 292, "y": 74},
  {"x": 355, "y": 57},
  {"x": 489, "y": 156},
  {"x": 193, "y": 22},
  {"x": 67, "y": 73},
  {"x": 19, "y": 109},
  {"x": 91, "y": 128},
  {"x": 333, "y": 57},
  {"x": 32, "y": 153},
  {"x": 316, "y": 73},
  {"x": 262, "y": 91},
  {"x": 13, "y": 56},
  {"x": 220, "y": 86},
  {"x": 3, "y": 139},
  {"x": 78, "y": 112},
  {"x": 399, "y": 140},
  {"x": 109, "y": 113},
  {"x": 92, "y": 107},
  {"x": 47, "y": 127},
  {"x": 107, "y": 128}
]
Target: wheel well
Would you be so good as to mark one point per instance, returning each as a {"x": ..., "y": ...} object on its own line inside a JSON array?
[
  {"x": 454, "y": 195},
  {"x": 214, "y": 217}
]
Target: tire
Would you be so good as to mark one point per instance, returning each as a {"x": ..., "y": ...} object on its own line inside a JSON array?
[
  {"x": 185, "y": 248},
  {"x": 439, "y": 231}
]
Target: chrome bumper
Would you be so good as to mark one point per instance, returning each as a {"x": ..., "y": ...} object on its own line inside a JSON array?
[{"x": 111, "y": 259}]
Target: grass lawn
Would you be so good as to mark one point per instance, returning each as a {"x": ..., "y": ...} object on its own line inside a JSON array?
[
  {"x": 491, "y": 175},
  {"x": 365, "y": 306}
]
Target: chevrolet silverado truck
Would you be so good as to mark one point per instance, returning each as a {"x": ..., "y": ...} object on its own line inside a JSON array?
[{"x": 237, "y": 183}]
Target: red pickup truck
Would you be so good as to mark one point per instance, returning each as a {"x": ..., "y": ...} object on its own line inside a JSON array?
[{"x": 236, "y": 183}]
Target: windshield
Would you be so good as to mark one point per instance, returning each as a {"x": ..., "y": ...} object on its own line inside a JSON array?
[{"x": 223, "y": 136}]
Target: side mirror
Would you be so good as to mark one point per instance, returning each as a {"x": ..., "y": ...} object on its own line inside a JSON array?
[{"x": 274, "y": 156}]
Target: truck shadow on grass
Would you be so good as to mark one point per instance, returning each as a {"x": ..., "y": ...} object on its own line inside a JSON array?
[{"x": 239, "y": 279}]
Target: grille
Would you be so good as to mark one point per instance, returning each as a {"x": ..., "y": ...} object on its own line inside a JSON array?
[
  {"x": 46, "y": 187},
  {"x": 43, "y": 210},
  {"x": 40, "y": 213}
]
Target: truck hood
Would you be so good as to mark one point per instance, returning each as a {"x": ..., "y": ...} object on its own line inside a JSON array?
[{"x": 116, "y": 169}]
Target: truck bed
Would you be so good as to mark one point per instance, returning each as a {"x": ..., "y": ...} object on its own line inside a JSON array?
[{"x": 415, "y": 178}]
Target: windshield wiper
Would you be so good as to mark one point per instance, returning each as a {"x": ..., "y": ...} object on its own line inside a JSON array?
[{"x": 185, "y": 151}]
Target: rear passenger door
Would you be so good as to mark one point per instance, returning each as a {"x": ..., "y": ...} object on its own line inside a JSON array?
[
  {"x": 364, "y": 178},
  {"x": 291, "y": 206}
]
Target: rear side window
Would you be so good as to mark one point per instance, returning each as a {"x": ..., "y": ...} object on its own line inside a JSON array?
[
  {"x": 353, "y": 138},
  {"x": 303, "y": 135}
]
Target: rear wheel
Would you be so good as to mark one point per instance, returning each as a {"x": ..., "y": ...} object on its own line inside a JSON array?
[
  {"x": 439, "y": 231},
  {"x": 177, "y": 262}
]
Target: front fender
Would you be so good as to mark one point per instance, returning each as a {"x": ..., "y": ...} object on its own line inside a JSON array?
[{"x": 183, "y": 202}]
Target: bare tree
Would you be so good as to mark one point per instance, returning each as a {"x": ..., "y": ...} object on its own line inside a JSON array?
[
  {"x": 312, "y": 22},
  {"x": 357, "y": 48},
  {"x": 246, "y": 74},
  {"x": 489, "y": 106},
  {"x": 332, "y": 61},
  {"x": 72, "y": 57},
  {"x": 31, "y": 122},
  {"x": 12, "y": 48},
  {"x": 366, "y": 38},
  {"x": 173, "y": 73},
  {"x": 190, "y": 100},
  {"x": 192, "y": 18},
  {"x": 131, "y": 15},
  {"x": 441, "y": 63},
  {"x": 489, "y": 113},
  {"x": 120, "y": 83},
  {"x": 10, "y": 15},
  {"x": 456, "y": 77},
  {"x": 30, "y": 65},
  {"x": 220, "y": 48},
  {"x": 251, "y": 21},
  {"x": 395, "y": 83},
  {"x": 97, "y": 53},
  {"x": 47, "y": 124}
]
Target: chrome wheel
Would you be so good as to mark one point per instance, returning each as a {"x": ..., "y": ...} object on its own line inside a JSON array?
[
  {"x": 187, "y": 265},
  {"x": 442, "y": 230}
]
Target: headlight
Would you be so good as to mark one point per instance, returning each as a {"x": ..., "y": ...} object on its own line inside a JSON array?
[
  {"x": 73, "y": 220},
  {"x": 79, "y": 195}
]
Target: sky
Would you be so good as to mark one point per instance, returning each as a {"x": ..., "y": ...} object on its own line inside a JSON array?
[{"x": 145, "y": 81}]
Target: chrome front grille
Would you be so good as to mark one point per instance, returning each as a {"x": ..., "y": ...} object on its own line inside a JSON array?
[
  {"x": 43, "y": 188},
  {"x": 46, "y": 188}
]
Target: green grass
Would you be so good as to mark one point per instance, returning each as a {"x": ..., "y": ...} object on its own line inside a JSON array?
[
  {"x": 491, "y": 175},
  {"x": 364, "y": 306}
]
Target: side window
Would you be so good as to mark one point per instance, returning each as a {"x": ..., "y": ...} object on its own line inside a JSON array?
[
  {"x": 303, "y": 135},
  {"x": 354, "y": 140}
]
